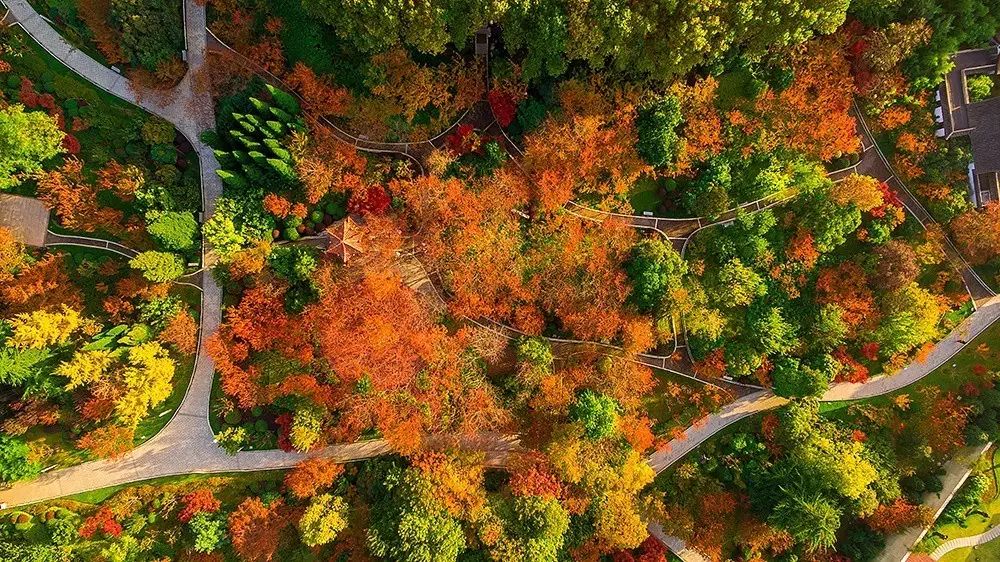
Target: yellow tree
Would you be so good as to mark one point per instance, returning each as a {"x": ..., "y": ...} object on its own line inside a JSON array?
[
  {"x": 146, "y": 380},
  {"x": 42, "y": 328},
  {"x": 863, "y": 191},
  {"x": 85, "y": 367}
]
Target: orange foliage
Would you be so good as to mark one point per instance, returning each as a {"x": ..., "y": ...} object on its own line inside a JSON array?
[
  {"x": 312, "y": 475},
  {"x": 893, "y": 518},
  {"x": 277, "y": 205},
  {"x": 702, "y": 124},
  {"x": 75, "y": 201},
  {"x": 812, "y": 115},
  {"x": 181, "y": 331},
  {"x": 267, "y": 54},
  {"x": 96, "y": 14},
  {"x": 589, "y": 150},
  {"x": 321, "y": 96},
  {"x": 43, "y": 284},
  {"x": 201, "y": 500},
  {"x": 977, "y": 235},
  {"x": 255, "y": 528},
  {"x": 846, "y": 285},
  {"x": 894, "y": 117},
  {"x": 110, "y": 441},
  {"x": 802, "y": 248},
  {"x": 535, "y": 481},
  {"x": 326, "y": 165}
]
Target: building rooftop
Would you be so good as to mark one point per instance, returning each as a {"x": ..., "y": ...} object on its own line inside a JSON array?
[{"x": 27, "y": 217}]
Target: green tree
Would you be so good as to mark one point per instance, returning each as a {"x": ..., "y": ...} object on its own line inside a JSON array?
[
  {"x": 158, "y": 267},
  {"x": 293, "y": 263},
  {"x": 737, "y": 284},
  {"x": 151, "y": 31},
  {"x": 656, "y": 126},
  {"x": 174, "y": 230},
  {"x": 597, "y": 413},
  {"x": 792, "y": 379},
  {"x": 708, "y": 194},
  {"x": 14, "y": 463},
  {"x": 812, "y": 520},
  {"x": 323, "y": 520},
  {"x": 910, "y": 318},
  {"x": 209, "y": 532},
  {"x": 27, "y": 139},
  {"x": 828, "y": 329},
  {"x": 532, "y": 528},
  {"x": 655, "y": 269}
]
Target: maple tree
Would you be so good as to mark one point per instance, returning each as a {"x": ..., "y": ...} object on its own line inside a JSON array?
[
  {"x": 110, "y": 441},
  {"x": 811, "y": 115},
  {"x": 201, "y": 500},
  {"x": 311, "y": 475}
]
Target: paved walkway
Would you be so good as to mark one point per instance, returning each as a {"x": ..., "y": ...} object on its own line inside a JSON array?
[
  {"x": 53, "y": 239},
  {"x": 186, "y": 445},
  {"x": 26, "y": 217},
  {"x": 965, "y": 542},
  {"x": 956, "y": 471}
]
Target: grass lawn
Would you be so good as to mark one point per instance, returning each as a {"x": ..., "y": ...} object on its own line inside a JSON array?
[
  {"x": 58, "y": 440},
  {"x": 666, "y": 410},
  {"x": 975, "y": 524},
  {"x": 645, "y": 195},
  {"x": 949, "y": 376},
  {"x": 228, "y": 493}
]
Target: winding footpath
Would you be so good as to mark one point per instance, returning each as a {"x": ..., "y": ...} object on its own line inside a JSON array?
[
  {"x": 186, "y": 444},
  {"x": 965, "y": 542}
]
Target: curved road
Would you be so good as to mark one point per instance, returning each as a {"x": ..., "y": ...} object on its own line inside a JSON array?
[{"x": 186, "y": 445}]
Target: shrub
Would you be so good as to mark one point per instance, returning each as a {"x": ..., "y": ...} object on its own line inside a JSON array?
[
  {"x": 158, "y": 267},
  {"x": 158, "y": 131},
  {"x": 163, "y": 153},
  {"x": 173, "y": 230},
  {"x": 980, "y": 86}
]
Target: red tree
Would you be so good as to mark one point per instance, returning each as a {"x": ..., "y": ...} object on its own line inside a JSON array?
[
  {"x": 102, "y": 521},
  {"x": 201, "y": 500}
]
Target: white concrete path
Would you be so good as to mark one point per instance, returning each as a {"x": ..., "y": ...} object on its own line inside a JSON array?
[{"x": 965, "y": 542}]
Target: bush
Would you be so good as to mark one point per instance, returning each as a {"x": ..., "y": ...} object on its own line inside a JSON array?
[
  {"x": 980, "y": 87},
  {"x": 163, "y": 154},
  {"x": 173, "y": 230},
  {"x": 158, "y": 131},
  {"x": 158, "y": 267},
  {"x": 233, "y": 417}
]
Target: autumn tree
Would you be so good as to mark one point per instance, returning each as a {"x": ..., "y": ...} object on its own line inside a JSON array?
[
  {"x": 812, "y": 114},
  {"x": 976, "y": 233},
  {"x": 320, "y": 95},
  {"x": 201, "y": 500},
  {"x": 255, "y": 528},
  {"x": 860, "y": 190},
  {"x": 108, "y": 442},
  {"x": 181, "y": 332},
  {"x": 896, "y": 265},
  {"x": 591, "y": 150},
  {"x": 323, "y": 520}
]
